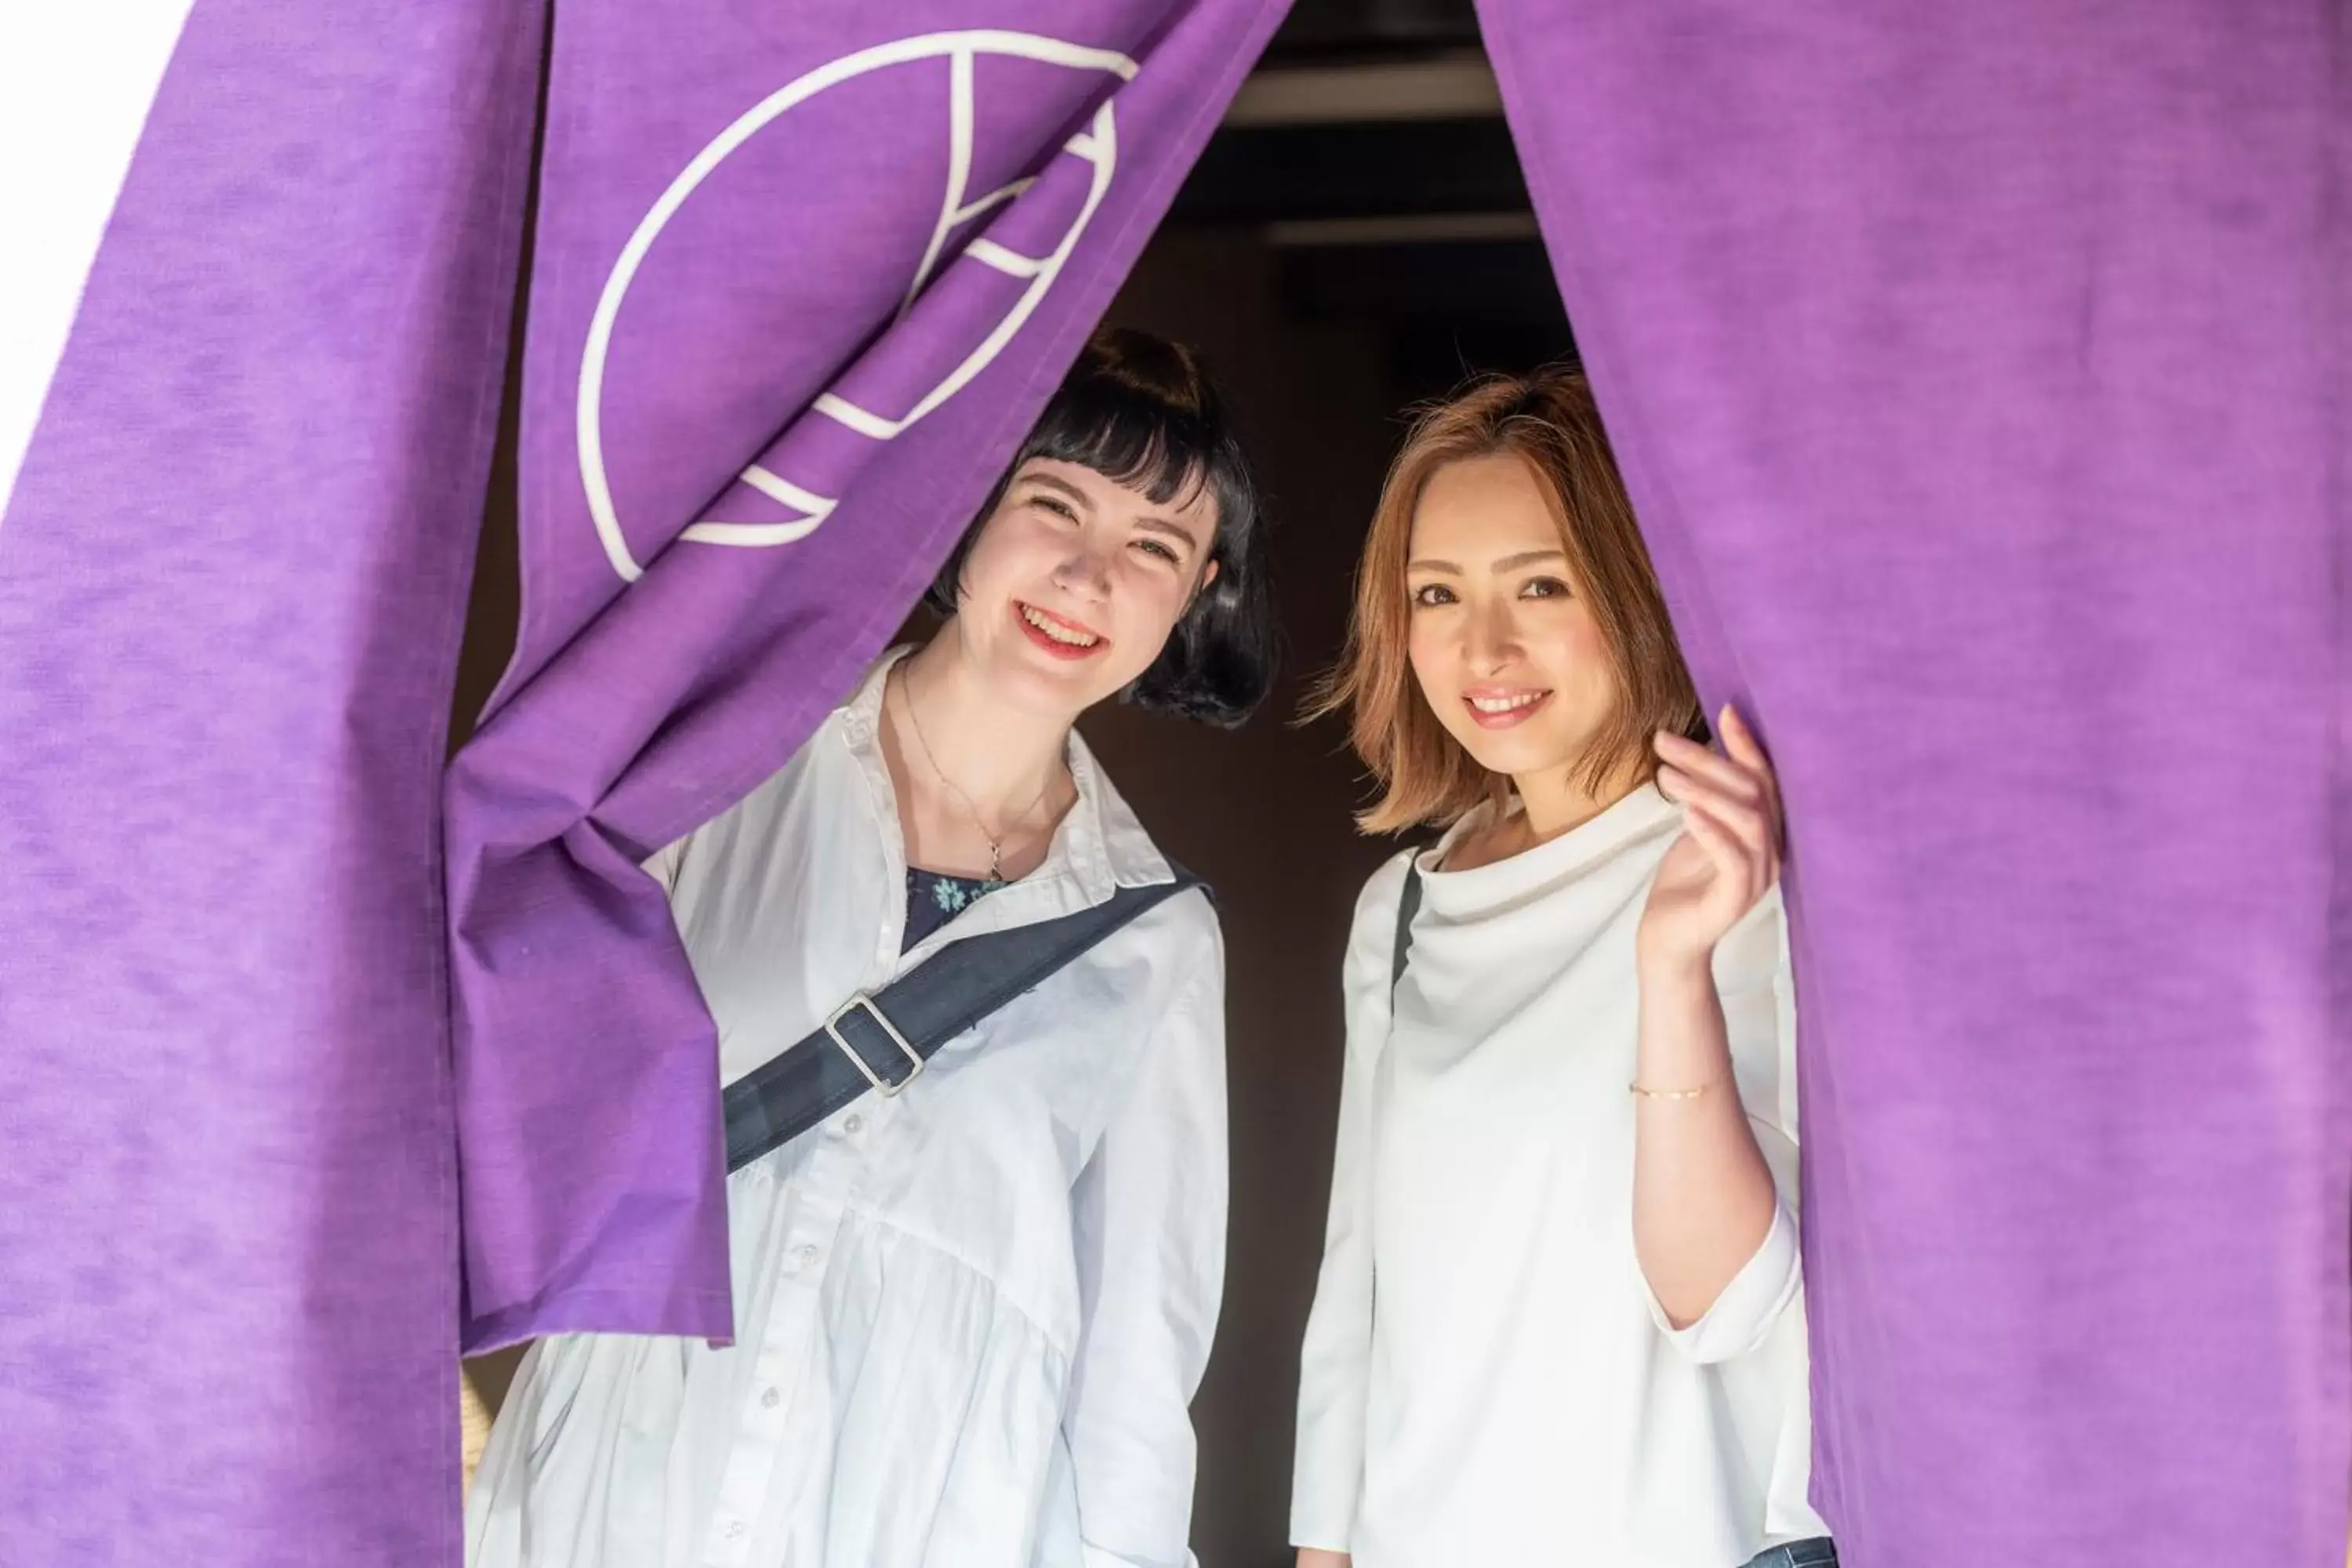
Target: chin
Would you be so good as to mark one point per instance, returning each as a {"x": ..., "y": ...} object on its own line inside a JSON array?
[
  {"x": 1046, "y": 685},
  {"x": 1030, "y": 682},
  {"x": 1516, "y": 754}
]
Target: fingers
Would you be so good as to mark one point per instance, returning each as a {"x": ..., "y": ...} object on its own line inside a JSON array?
[
  {"x": 1721, "y": 844},
  {"x": 1700, "y": 762},
  {"x": 1746, "y": 832},
  {"x": 1740, "y": 741},
  {"x": 1745, "y": 807},
  {"x": 1735, "y": 865},
  {"x": 1741, "y": 775},
  {"x": 1745, "y": 824},
  {"x": 1731, "y": 797}
]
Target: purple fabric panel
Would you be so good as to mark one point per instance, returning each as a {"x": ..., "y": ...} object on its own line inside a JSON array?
[
  {"x": 726, "y": 332},
  {"x": 1979, "y": 371},
  {"x": 232, "y": 578}
]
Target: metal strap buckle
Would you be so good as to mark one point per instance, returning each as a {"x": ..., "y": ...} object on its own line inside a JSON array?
[{"x": 882, "y": 1085}]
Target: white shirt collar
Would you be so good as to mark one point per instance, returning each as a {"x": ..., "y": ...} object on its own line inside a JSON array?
[{"x": 1641, "y": 813}]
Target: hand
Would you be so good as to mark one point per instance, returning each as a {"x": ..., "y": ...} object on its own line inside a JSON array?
[
  {"x": 1315, "y": 1557},
  {"x": 1728, "y": 855}
]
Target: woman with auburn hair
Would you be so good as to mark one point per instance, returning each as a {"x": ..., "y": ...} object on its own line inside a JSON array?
[{"x": 1560, "y": 1318}]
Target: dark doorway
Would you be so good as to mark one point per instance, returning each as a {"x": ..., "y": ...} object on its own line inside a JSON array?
[{"x": 1356, "y": 238}]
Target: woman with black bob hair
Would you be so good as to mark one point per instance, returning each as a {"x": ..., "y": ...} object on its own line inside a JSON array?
[
  {"x": 1138, "y": 411},
  {"x": 971, "y": 1313}
]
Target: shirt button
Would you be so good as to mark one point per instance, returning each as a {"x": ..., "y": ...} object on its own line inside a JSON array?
[
  {"x": 772, "y": 1397},
  {"x": 854, "y": 1126},
  {"x": 807, "y": 1256}
]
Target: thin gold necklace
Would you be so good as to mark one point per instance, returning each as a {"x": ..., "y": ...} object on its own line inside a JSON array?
[{"x": 995, "y": 845}]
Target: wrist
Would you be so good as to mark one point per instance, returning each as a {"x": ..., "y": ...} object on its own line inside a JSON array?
[{"x": 1656, "y": 965}]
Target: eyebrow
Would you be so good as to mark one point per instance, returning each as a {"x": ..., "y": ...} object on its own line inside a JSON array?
[
  {"x": 1067, "y": 488},
  {"x": 1508, "y": 563},
  {"x": 1173, "y": 530},
  {"x": 1148, "y": 524}
]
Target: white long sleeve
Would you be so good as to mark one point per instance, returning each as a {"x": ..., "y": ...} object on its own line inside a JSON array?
[
  {"x": 1335, "y": 1361},
  {"x": 1150, "y": 1232}
]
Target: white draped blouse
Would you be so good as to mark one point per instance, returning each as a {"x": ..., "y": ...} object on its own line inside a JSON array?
[{"x": 1487, "y": 1377}]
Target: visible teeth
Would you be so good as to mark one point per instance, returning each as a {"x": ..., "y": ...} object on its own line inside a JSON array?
[
  {"x": 1060, "y": 634},
  {"x": 1507, "y": 704}
]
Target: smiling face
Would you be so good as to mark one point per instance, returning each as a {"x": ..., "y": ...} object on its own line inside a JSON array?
[
  {"x": 1502, "y": 643},
  {"x": 1074, "y": 580}
]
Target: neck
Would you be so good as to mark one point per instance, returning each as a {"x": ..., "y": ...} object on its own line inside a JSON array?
[
  {"x": 1558, "y": 799},
  {"x": 1002, "y": 756}
]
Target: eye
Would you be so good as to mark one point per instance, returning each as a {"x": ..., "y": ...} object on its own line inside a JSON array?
[
  {"x": 1055, "y": 505},
  {"x": 1155, "y": 547},
  {"x": 1543, "y": 588},
  {"x": 1430, "y": 596}
]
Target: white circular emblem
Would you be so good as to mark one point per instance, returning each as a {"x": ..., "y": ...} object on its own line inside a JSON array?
[{"x": 1096, "y": 146}]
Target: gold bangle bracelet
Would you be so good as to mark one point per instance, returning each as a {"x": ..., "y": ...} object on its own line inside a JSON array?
[{"x": 1647, "y": 1093}]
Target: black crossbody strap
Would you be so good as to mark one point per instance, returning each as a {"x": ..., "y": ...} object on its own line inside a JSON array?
[
  {"x": 878, "y": 1044},
  {"x": 1408, "y": 906},
  {"x": 1400, "y": 954}
]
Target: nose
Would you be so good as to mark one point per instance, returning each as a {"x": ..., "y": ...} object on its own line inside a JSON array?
[
  {"x": 1083, "y": 573},
  {"x": 1490, "y": 637}
]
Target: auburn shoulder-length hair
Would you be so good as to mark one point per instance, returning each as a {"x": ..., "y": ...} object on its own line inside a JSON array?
[{"x": 1547, "y": 420}]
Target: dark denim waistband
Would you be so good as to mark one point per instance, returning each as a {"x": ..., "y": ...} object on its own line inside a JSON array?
[{"x": 1817, "y": 1553}]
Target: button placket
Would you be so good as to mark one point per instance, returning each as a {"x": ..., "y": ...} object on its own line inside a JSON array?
[
  {"x": 729, "y": 1540},
  {"x": 751, "y": 1469},
  {"x": 748, "y": 1475},
  {"x": 820, "y": 1186}
]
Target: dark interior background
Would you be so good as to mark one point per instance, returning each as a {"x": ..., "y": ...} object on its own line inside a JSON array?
[{"x": 1356, "y": 238}]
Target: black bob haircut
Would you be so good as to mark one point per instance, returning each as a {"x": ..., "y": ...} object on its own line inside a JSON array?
[{"x": 1141, "y": 411}]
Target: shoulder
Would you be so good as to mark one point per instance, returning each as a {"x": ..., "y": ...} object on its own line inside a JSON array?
[
  {"x": 1163, "y": 976},
  {"x": 1190, "y": 934},
  {"x": 824, "y": 759},
  {"x": 1371, "y": 938},
  {"x": 817, "y": 781},
  {"x": 1383, "y": 894}
]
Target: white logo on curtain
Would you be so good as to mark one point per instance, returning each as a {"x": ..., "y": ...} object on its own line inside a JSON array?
[{"x": 1096, "y": 146}]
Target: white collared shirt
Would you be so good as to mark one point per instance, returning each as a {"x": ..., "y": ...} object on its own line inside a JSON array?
[
  {"x": 1509, "y": 1390},
  {"x": 969, "y": 1317}
]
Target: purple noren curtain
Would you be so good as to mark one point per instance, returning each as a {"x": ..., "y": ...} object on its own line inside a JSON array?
[
  {"x": 1978, "y": 372},
  {"x": 232, "y": 575},
  {"x": 805, "y": 275}
]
